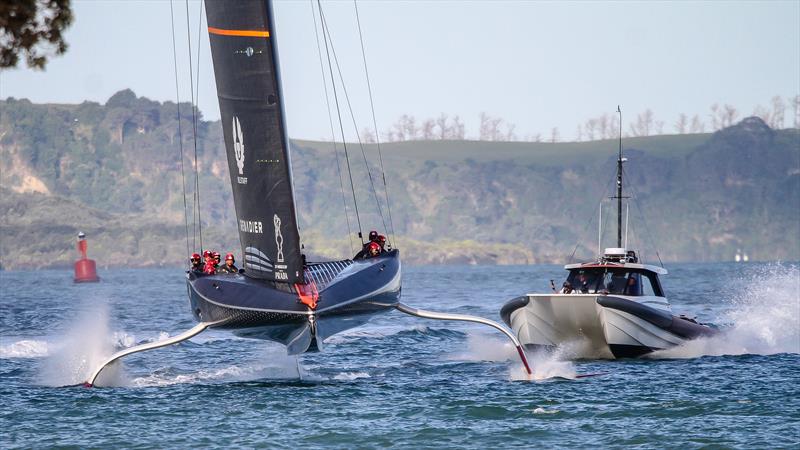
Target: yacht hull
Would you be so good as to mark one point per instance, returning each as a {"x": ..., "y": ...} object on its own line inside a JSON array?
[
  {"x": 348, "y": 297},
  {"x": 603, "y": 324}
]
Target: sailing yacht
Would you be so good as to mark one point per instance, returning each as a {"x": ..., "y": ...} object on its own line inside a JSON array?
[
  {"x": 279, "y": 296},
  {"x": 613, "y": 304}
]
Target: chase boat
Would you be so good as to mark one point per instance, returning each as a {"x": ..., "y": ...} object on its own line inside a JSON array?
[
  {"x": 612, "y": 304},
  {"x": 617, "y": 305}
]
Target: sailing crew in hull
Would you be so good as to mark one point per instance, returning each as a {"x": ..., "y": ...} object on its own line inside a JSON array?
[
  {"x": 229, "y": 266},
  {"x": 373, "y": 250},
  {"x": 210, "y": 267},
  {"x": 374, "y": 238},
  {"x": 197, "y": 263}
]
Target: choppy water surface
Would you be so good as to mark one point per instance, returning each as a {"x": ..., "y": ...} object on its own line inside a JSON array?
[{"x": 399, "y": 380}]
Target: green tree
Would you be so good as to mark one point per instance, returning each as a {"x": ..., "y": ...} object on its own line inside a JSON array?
[{"x": 33, "y": 28}]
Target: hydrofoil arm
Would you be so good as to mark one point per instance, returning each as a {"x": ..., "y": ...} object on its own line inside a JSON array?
[
  {"x": 194, "y": 331},
  {"x": 466, "y": 318}
]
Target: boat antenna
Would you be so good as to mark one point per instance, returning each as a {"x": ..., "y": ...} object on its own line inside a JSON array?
[
  {"x": 627, "y": 213},
  {"x": 600, "y": 231}
]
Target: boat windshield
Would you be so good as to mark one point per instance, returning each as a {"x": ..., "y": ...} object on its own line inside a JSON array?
[{"x": 614, "y": 281}]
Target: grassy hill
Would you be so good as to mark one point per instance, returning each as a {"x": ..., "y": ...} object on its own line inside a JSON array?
[{"x": 114, "y": 171}]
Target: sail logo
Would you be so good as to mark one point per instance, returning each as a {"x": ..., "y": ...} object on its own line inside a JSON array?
[
  {"x": 250, "y": 226},
  {"x": 256, "y": 260},
  {"x": 238, "y": 149},
  {"x": 278, "y": 237}
]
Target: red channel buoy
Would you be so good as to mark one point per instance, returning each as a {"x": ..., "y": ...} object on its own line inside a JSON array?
[{"x": 85, "y": 268}]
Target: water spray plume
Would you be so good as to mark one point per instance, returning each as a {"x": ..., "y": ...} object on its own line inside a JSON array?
[
  {"x": 85, "y": 345},
  {"x": 764, "y": 318}
]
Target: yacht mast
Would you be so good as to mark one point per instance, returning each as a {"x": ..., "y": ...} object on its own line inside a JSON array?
[{"x": 619, "y": 183}]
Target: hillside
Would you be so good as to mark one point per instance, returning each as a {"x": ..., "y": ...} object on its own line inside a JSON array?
[{"x": 114, "y": 171}]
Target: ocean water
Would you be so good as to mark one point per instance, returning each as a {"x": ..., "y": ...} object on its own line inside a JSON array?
[{"x": 398, "y": 381}]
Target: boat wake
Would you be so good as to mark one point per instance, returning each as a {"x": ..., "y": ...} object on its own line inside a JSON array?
[
  {"x": 415, "y": 333},
  {"x": 69, "y": 359},
  {"x": 764, "y": 315},
  {"x": 545, "y": 365},
  {"x": 276, "y": 366},
  {"x": 25, "y": 348}
]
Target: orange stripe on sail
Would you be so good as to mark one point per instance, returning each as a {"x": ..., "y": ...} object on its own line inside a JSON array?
[{"x": 248, "y": 33}]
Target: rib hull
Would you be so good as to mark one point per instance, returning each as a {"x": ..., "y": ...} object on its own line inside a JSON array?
[{"x": 603, "y": 324}]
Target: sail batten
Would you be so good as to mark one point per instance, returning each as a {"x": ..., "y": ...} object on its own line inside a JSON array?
[{"x": 251, "y": 112}]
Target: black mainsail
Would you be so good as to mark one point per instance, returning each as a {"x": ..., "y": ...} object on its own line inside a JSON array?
[{"x": 248, "y": 86}]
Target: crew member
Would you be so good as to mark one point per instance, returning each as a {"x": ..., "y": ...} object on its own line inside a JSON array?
[
  {"x": 216, "y": 259},
  {"x": 210, "y": 267},
  {"x": 197, "y": 263},
  {"x": 567, "y": 288},
  {"x": 229, "y": 266},
  {"x": 373, "y": 250},
  {"x": 364, "y": 252},
  {"x": 382, "y": 242},
  {"x": 584, "y": 282},
  {"x": 632, "y": 286}
]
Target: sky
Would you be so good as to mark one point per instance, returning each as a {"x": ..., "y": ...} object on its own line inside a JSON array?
[{"x": 535, "y": 64}]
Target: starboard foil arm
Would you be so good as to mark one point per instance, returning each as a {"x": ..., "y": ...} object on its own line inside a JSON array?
[
  {"x": 467, "y": 318},
  {"x": 194, "y": 331}
]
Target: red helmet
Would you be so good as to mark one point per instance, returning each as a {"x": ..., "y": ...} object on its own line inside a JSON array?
[
  {"x": 207, "y": 253},
  {"x": 215, "y": 255},
  {"x": 229, "y": 256},
  {"x": 195, "y": 255},
  {"x": 381, "y": 239},
  {"x": 373, "y": 246}
]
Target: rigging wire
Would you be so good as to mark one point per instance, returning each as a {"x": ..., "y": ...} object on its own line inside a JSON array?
[
  {"x": 326, "y": 30},
  {"x": 180, "y": 129},
  {"x": 374, "y": 122},
  {"x": 199, "y": 40},
  {"x": 339, "y": 114},
  {"x": 333, "y": 133},
  {"x": 194, "y": 134}
]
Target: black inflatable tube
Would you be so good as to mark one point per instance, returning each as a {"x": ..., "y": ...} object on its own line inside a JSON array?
[
  {"x": 511, "y": 306},
  {"x": 664, "y": 320}
]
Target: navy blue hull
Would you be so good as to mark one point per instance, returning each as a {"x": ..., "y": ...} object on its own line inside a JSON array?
[{"x": 350, "y": 292}]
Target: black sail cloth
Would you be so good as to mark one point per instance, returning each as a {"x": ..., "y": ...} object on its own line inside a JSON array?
[{"x": 246, "y": 71}]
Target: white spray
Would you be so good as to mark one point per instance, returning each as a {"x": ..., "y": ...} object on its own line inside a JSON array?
[
  {"x": 544, "y": 365},
  {"x": 764, "y": 317},
  {"x": 85, "y": 346}
]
